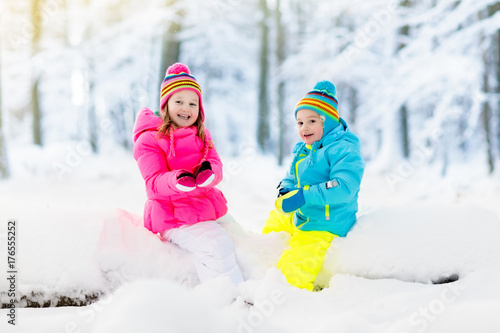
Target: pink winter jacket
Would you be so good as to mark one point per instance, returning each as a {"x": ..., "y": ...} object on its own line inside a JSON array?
[{"x": 167, "y": 207}]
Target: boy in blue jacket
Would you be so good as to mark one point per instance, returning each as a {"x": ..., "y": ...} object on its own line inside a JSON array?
[{"x": 318, "y": 198}]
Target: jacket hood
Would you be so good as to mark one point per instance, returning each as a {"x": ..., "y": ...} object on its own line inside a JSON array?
[
  {"x": 146, "y": 121},
  {"x": 335, "y": 133}
]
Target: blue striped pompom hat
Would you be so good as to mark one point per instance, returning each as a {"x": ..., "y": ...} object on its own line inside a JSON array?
[{"x": 322, "y": 99}]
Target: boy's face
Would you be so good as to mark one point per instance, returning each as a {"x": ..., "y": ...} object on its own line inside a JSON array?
[
  {"x": 310, "y": 126},
  {"x": 183, "y": 108}
]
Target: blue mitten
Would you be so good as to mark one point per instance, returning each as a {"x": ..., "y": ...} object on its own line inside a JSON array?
[{"x": 291, "y": 201}]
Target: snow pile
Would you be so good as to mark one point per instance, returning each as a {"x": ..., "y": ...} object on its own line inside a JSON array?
[
  {"x": 151, "y": 285},
  {"x": 420, "y": 243},
  {"x": 53, "y": 257},
  {"x": 159, "y": 306},
  {"x": 378, "y": 278}
]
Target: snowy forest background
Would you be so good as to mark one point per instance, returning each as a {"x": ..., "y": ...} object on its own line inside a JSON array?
[{"x": 417, "y": 80}]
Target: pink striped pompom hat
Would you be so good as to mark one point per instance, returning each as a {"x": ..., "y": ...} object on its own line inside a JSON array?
[{"x": 176, "y": 79}]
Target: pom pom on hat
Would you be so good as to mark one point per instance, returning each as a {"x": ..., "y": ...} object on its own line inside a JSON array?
[
  {"x": 178, "y": 68},
  {"x": 327, "y": 87},
  {"x": 177, "y": 78}
]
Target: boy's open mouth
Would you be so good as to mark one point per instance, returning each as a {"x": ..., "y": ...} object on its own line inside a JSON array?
[{"x": 308, "y": 135}]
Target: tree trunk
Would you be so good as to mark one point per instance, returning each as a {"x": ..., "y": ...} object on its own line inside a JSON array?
[
  {"x": 37, "y": 114},
  {"x": 301, "y": 18},
  {"x": 405, "y": 137},
  {"x": 280, "y": 55},
  {"x": 263, "y": 103},
  {"x": 4, "y": 165},
  {"x": 170, "y": 45},
  {"x": 492, "y": 10},
  {"x": 92, "y": 116},
  {"x": 4, "y": 161},
  {"x": 351, "y": 96},
  {"x": 486, "y": 115},
  {"x": 497, "y": 90},
  {"x": 489, "y": 64},
  {"x": 36, "y": 20},
  {"x": 403, "y": 110}
]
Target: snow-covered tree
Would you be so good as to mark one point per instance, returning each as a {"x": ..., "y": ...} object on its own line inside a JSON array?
[
  {"x": 220, "y": 43},
  {"x": 4, "y": 165},
  {"x": 263, "y": 87},
  {"x": 413, "y": 78},
  {"x": 170, "y": 42},
  {"x": 36, "y": 35},
  {"x": 280, "y": 91},
  {"x": 409, "y": 71}
]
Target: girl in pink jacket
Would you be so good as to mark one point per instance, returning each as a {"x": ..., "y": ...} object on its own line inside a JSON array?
[{"x": 181, "y": 167}]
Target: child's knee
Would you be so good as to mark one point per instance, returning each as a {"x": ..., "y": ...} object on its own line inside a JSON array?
[{"x": 218, "y": 247}]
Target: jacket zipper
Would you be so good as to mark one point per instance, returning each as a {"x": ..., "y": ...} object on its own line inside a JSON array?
[
  {"x": 327, "y": 212},
  {"x": 297, "y": 171},
  {"x": 297, "y": 165}
]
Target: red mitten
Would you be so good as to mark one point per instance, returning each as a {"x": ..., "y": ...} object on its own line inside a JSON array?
[
  {"x": 204, "y": 175},
  {"x": 186, "y": 182}
]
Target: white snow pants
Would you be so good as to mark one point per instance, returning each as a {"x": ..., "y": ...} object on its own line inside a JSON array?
[{"x": 212, "y": 248}]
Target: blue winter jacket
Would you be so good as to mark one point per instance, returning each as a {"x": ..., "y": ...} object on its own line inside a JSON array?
[{"x": 336, "y": 157}]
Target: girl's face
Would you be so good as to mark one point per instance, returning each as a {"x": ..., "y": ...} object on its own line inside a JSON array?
[
  {"x": 183, "y": 107},
  {"x": 310, "y": 126}
]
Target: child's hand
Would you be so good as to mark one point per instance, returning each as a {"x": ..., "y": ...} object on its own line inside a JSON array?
[
  {"x": 204, "y": 175},
  {"x": 186, "y": 182},
  {"x": 282, "y": 191},
  {"x": 291, "y": 201}
]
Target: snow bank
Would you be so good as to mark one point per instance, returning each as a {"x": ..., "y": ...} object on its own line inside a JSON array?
[
  {"x": 54, "y": 255},
  {"x": 420, "y": 243},
  {"x": 71, "y": 242},
  {"x": 159, "y": 306},
  {"x": 74, "y": 254}
]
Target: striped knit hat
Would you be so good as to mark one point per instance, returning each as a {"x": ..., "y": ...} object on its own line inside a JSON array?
[
  {"x": 178, "y": 78},
  {"x": 322, "y": 100}
]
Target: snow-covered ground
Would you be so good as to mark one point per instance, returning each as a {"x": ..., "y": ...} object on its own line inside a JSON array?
[{"x": 79, "y": 233}]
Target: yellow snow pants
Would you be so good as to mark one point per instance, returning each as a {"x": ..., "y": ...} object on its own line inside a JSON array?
[{"x": 303, "y": 259}]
